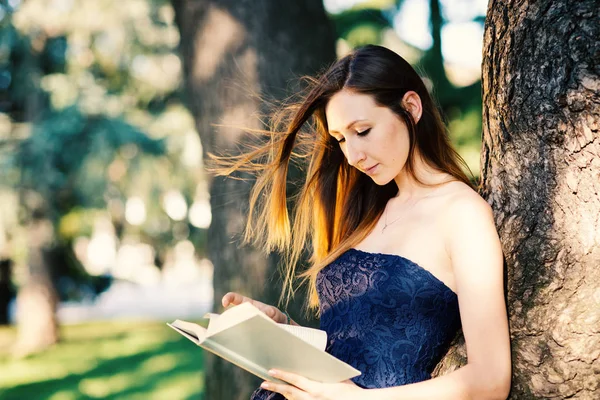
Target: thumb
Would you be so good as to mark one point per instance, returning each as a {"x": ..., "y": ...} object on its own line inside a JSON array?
[
  {"x": 226, "y": 300},
  {"x": 271, "y": 312}
]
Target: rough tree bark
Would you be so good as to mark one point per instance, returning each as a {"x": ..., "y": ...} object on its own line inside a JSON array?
[
  {"x": 541, "y": 174},
  {"x": 231, "y": 48}
]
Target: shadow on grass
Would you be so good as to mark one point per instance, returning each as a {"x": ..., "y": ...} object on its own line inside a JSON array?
[{"x": 167, "y": 370}]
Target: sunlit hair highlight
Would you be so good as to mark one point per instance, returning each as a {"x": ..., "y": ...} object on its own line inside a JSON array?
[{"x": 337, "y": 206}]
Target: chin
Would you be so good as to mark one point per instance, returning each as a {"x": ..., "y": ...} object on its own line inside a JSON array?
[{"x": 381, "y": 181}]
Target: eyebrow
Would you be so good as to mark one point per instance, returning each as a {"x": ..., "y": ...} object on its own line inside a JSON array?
[{"x": 350, "y": 125}]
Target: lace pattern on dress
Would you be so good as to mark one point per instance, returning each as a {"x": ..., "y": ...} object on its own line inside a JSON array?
[{"x": 386, "y": 316}]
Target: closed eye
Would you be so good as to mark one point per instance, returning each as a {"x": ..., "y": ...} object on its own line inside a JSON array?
[{"x": 363, "y": 133}]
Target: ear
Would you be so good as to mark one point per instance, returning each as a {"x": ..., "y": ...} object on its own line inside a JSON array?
[{"x": 412, "y": 103}]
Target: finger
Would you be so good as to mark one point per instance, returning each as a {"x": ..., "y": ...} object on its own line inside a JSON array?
[
  {"x": 228, "y": 299},
  {"x": 234, "y": 298},
  {"x": 270, "y": 311},
  {"x": 297, "y": 380},
  {"x": 349, "y": 382},
  {"x": 288, "y": 391}
]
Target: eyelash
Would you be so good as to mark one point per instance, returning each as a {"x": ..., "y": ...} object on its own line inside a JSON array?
[{"x": 363, "y": 133}]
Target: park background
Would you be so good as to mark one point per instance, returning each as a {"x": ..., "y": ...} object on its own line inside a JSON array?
[{"x": 105, "y": 207}]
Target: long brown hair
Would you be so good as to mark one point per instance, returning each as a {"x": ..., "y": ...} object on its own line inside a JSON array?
[{"x": 337, "y": 205}]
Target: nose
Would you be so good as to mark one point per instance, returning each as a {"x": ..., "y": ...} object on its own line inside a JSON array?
[{"x": 354, "y": 153}]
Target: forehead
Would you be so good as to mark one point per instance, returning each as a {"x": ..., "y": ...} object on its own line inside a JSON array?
[{"x": 346, "y": 106}]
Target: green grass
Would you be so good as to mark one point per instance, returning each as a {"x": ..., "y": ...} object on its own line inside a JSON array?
[{"x": 109, "y": 360}]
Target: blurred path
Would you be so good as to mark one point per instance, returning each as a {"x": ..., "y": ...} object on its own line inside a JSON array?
[{"x": 129, "y": 300}]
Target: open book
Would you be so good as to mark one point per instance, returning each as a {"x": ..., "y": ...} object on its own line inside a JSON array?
[{"x": 246, "y": 337}]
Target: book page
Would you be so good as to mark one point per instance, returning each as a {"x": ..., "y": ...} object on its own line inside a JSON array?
[
  {"x": 315, "y": 337},
  {"x": 194, "y": 332},
  {"x": 244, "y": 311},
  {"x": 265, "y": 344},
  {"x": 258, "y": 344},
  {"x": 238, "y": 360},
  {"x": 234, "y": 316},
  {"x": 211, "y": 316}
]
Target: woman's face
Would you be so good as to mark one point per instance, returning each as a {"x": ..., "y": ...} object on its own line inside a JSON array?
[{"x": 373, "y": 138}]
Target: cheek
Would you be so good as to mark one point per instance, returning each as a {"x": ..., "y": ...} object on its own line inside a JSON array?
[
  {"x": 394, "y": 135},
  {"x": 343, "y": 150},
  {"x": 401, "y": 144},
  {"x": 396, "y": 141}
]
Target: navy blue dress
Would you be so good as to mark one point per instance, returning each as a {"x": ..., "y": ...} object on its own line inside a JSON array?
[{"x": 386, "y": 316}]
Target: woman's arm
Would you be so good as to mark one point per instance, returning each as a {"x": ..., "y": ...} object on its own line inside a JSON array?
[{"x": 477, "y": 262}]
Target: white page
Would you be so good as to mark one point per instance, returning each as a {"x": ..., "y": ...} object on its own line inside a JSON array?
[
  {"x": 253, "y": 341},
  {"x": 315, "y": 337},
  {"x": 195, "y": 329},
  {"x": 233, "y": 316},
  {"x": 266, "y": 345}
]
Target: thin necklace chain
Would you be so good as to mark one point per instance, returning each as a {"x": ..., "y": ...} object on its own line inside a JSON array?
[{"x": 404, "y": 215}]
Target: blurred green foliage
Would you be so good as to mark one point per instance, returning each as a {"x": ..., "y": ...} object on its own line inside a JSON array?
[
  {"x": 55, "y": 160},
  {"x": 133, "y": 360},
  {"x": 369, "y": 22},
  {"x": 91, "y": 114}
]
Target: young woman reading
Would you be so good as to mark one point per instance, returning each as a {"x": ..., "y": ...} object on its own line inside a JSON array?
[{"x": 404, "y": 250}]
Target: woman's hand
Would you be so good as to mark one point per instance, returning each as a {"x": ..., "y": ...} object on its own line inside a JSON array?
[
  {"x": 301, "y": 388},
  {"x": 233, "y": 298}
]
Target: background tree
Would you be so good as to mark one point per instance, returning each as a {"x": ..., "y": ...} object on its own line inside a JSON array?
[
  {"x": 541, "y": 159},
  {"x": 85, "y": 109},
  {"x": 232, "y": 49},
  {"x": 541, "y": 170}
]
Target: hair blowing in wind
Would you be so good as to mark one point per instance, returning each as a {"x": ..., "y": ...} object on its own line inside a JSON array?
[{"x": 337, "y": 205}]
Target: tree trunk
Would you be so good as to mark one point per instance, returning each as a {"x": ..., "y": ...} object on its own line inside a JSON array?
[
  {"x": 434, "y": 60},
  {"x": 541, "y": 174},
  {"x": 5, "y": 288},
  {"x": 37, "y": 298},
  {"x": 233, "y": 50}
]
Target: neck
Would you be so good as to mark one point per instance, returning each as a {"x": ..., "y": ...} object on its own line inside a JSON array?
[{"x": 409, "y": 187}]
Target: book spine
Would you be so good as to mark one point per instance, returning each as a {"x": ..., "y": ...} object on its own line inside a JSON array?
[{"x": 238, "y": 360}]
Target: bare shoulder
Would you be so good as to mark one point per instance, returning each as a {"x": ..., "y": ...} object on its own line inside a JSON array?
[
  {"x": 468, "y": 226},
  {"x": 462, "y": 203}
]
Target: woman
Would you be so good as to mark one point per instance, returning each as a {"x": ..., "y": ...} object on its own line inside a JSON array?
[{"x": 404, "y": 250}]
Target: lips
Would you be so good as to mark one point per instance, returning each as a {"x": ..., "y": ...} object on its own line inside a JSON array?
[{"x": 370, "y": 170}]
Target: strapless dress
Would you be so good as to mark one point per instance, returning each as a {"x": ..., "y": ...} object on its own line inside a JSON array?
[{"x": 386, "y": 316}]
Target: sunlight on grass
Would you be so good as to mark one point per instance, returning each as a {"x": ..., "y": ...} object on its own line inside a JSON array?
[
  {"x": 64, "y": 395},
  {"x": 180, "y": 386},
  {"x": 133, "y": 360},
  {"x": 162, "y": 363},
  {"x": 105, "y": 386}
]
